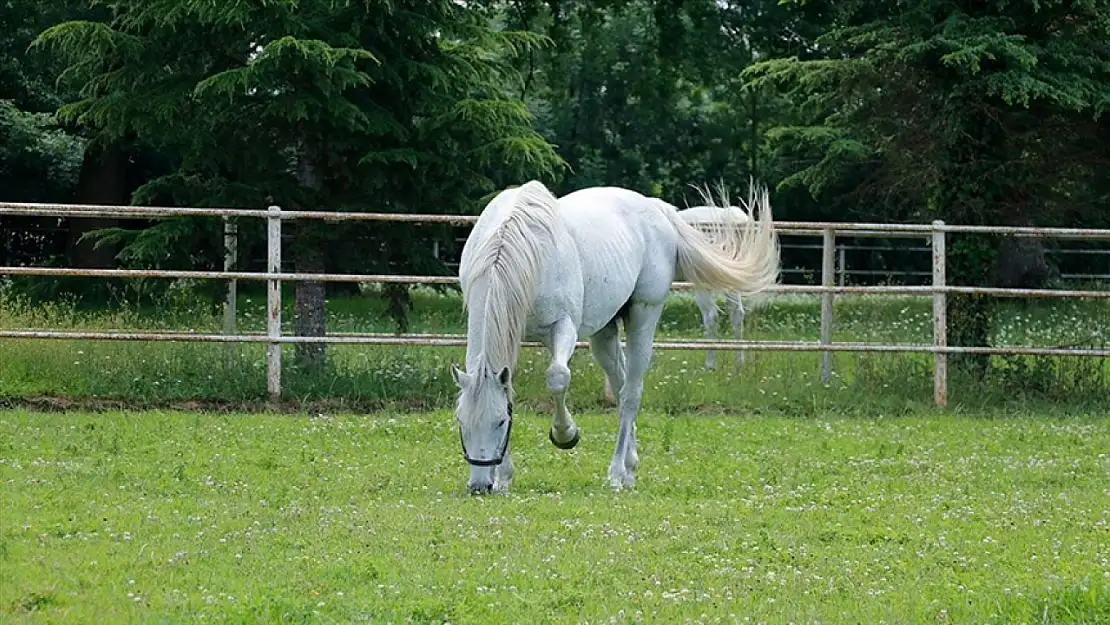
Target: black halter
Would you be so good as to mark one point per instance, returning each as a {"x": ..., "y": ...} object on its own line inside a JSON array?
[{"x": 493, "y": 462}]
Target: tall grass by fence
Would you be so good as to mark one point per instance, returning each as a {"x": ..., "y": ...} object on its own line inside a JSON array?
[{"x": 275, "y": 336}]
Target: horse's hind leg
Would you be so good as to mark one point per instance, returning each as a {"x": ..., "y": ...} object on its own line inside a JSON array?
[
  {"x": 610, "y": 396},
  {"x": 561, "y": 340},
  {"x": 640, "y": 329},
  {"x": 611, "y": 359},
  {"x": 606, "y": 348},
  {"x": 736, "y": 319},
  {"x": 708, "y": 305}
]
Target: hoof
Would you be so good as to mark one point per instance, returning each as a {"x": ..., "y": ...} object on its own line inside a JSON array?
[
  {"x": 622, "y": 482},
  {"x": 571, "y": 444}
]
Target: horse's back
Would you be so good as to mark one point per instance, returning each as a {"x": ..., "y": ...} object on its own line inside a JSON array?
[
  {"x": 627, "y": 248},
  {"x": 704, "y": 215}
]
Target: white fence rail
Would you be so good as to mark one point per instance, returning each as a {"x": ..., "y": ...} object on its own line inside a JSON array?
[{"x": 935, "y": 232}]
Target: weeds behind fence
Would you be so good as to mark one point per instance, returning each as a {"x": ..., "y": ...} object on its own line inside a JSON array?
[{"x": 368, "y": 377}]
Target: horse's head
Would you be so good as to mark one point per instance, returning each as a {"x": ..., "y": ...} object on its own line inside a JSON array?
[{"x": 485, "y": 416}]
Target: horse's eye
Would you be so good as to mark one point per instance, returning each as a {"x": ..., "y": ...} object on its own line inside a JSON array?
[{"x": 501, "y": 423}]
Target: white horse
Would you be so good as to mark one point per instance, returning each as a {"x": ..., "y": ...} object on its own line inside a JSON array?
[
  {"x": 560, "y": 269},
  {"x": 703, "y": 217}
]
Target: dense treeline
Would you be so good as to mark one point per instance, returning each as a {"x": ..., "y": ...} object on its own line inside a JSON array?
[{"x": 969, "y": 112}]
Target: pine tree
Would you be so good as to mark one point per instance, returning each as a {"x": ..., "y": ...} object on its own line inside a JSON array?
[
  {"x": 333, "y": 105},
  {"x": 975, "y": 113}
]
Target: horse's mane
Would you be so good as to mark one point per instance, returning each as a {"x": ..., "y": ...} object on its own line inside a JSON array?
[{"x": 511, "y": 259}]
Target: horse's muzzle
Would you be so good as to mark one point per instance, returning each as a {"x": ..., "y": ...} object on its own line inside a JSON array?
[
  {"x": 480, "y": 488},
  {"x": 500, "y": 457}
]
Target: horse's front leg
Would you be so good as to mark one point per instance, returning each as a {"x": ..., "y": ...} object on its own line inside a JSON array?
[
  {"x": 503, "y": 476},
  {"x": 563, "y": 336}
]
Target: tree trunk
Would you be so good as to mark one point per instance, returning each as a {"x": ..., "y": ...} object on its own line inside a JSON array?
[
  {"x": 103, "y": 180},
  {"x": 310, "y": 314},
  {"x": 973, "y": 192},
  {"x": 1022, "y": 264}
]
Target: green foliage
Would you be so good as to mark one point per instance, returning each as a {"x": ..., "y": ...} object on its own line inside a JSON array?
[
  {"x": 953, "y": 111},
  {"x": 319, "y": 106},
  {"x": 865, "y": 110},
  {"x": 627, "y": 93},
  {"x": 910, "y": 88},
  {"x": 26, "y": 78},
  {"x": 39, "y": 162},
  {"x": 39, "y": 159}
]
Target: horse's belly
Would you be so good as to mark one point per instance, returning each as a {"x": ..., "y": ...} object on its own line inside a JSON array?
[{"x": 611, "y": 268}]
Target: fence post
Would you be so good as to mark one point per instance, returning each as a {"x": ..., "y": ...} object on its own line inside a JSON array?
[
  {"x": 940, "y": 317},
  {"x": 828, "y": 277},
  {"x": 231, "y": 253},
  {"x": 273, "y": 304},
  {"x": 842, "y": 267}
]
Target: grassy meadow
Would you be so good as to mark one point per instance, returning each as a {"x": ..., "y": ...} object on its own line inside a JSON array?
[
  {"x": 175, "y": 517},
  {"x": 167, "y": 491}
]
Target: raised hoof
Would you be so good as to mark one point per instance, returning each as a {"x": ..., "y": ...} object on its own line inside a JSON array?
[{"x": 571, "y": 444}]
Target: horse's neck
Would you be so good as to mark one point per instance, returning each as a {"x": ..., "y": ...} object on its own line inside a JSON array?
[
  {"x": 501, "y": 275},
  {"x": 477, "y": 349}
]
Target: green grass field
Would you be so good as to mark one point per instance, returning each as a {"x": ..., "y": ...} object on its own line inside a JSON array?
[
  {"x": 172, "y": 517},
  {"x": 764, "y": 496}
]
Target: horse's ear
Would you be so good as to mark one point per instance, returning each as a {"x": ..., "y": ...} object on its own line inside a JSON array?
[
  {"x": 504, "y": 377},
  {"x": 462, "y": 379}
]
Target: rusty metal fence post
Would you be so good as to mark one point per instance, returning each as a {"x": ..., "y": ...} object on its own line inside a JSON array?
[
  {"x": 273, "y": 303},
  {"x": 940, "y": 317},
  {"x": 828, "y": 280}
]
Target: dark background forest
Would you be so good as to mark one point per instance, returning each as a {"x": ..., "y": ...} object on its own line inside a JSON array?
[{"x": 860, "y": 110}]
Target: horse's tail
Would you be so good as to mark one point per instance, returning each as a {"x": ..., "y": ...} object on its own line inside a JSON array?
[
  {"x": 511, "y": 259},
  {"x": 731, "y": 254}
]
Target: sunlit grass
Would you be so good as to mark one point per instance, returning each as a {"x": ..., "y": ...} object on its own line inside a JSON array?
[{"x": 179, "y": 517}]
